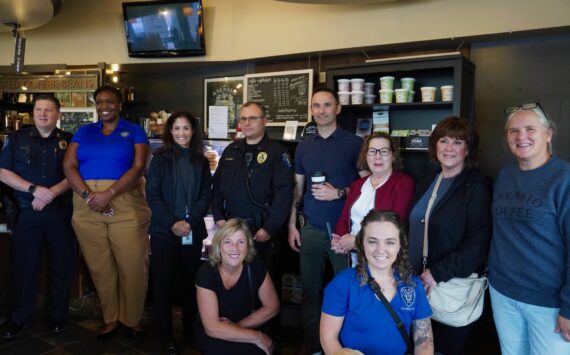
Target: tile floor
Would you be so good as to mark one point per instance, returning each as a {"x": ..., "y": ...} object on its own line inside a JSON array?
[{"x": 80, "y": 336}]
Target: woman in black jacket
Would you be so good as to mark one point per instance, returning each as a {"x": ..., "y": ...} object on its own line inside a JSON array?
[
  {"x": 179, "y": 194},
  {"x": 459, "y": 225}
]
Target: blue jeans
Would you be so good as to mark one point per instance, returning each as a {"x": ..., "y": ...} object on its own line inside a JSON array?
[{"x": 525, "y": 328}]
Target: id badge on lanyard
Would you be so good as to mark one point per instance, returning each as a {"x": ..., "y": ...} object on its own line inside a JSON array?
[{"x": 187, "y": 239}]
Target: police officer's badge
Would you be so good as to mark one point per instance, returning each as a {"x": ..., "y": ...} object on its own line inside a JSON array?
[
  {"x": 62, "y": 144},
  {"x": 261, "y": 157},
  {"x": 124, "y": 134},
  {"x": 286, "y": 159}
]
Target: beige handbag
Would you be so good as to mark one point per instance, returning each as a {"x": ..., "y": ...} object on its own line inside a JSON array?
[{"x": 459, "y": 301}]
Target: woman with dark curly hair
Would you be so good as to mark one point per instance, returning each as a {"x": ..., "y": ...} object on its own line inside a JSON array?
[
  {"x": 386, "y": 188},
  {"x": 352, "y": 315},
  {"x": 459, "y": 223},
  {"x": 178, "y": 192}
]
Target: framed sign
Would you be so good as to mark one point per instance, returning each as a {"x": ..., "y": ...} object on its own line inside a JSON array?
[
  {"x": 73, "y": 117},
  {"x": 226, "y": 91},
  {"x": 286, "y": 95}
]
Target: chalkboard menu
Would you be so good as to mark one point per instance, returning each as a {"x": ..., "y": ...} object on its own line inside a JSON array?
[{"x": 286, "y": 95}]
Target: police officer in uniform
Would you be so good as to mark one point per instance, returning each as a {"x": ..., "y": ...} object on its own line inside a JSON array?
[
  {"x": 31, "y": 163},
  {"x": 254, "y": 180}
]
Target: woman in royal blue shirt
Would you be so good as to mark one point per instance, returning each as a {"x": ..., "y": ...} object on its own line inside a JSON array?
[
  {"x": 353, "y": 316},
  {"x": 104, "y": 164}
]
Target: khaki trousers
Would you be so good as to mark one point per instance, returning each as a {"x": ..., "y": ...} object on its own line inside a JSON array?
[{"x": 115, "y": 249}]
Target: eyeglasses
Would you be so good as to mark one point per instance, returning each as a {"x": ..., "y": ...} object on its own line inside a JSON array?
[
  {"x": 524, "y": 107},
  {"x": 371, "y": 152},
  {"x": 249, "y": 119}
]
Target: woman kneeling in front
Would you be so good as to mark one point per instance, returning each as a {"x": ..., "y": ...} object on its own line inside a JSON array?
[
  {"x": 353, "y": 314},
  {"x": 235, "y": 295}
]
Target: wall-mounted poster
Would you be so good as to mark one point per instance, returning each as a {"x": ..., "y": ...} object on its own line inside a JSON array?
[
  {"x": 226, "y": 91},
  {"x": 72, "y": 118},
  {"x": 286, "y": 95}
]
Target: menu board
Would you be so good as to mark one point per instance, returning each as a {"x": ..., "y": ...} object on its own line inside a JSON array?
[{"x": 286, "y": 95}]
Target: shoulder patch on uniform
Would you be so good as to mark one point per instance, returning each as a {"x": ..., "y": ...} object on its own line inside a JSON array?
[
  {"x": 125, "y": 134},
  {"x": 261, "y": 157},
  {"x": 62, "y": 144},
  {"x": 286, "y": 159}
]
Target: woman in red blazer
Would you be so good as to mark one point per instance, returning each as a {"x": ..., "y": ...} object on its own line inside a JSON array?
[{"x": 385, "y": 188}]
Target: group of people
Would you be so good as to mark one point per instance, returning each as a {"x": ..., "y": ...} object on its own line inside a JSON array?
[{"x": 343, "y": 200}]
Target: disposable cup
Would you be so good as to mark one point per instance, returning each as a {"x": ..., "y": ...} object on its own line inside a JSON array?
[
  {"x": 401, "y": 95},
  {"x": 369, "y": 99},
  {"x": 386, "y": 96},
  {"x": 428, "y": 93},
  {"x": 357, "y": 85},
  {"x": 447, "y": 93},
  {"x": 357, "y": 97},
  {"x": 408, "y": 83},
  {"x": 344, "y": 97},
  {"x": 411, "y": 95},
  {"x": 387, "y": 83},
  {"x": 343, "y": 85},
  {"x": 369, "y": 88}
]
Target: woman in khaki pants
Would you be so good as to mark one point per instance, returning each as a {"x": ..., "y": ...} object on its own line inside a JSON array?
[{"x": 104, "y": 164}]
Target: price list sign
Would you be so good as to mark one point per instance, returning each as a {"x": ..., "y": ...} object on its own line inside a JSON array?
[{"x": 285, "y": 95}]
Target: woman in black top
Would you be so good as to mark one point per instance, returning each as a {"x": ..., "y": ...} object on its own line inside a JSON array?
[
  {"x": 459, "y": 225},
  {"x": 178, "y": 193},
  {"x": 235, "y": 295}
]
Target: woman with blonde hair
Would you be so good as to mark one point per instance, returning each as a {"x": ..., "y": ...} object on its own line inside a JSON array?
[{"x": 235, "y": 295}]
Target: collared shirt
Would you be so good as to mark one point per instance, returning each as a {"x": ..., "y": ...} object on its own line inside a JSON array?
[
  {"x": 336, "y": 157},
  {"x": 108, "y": 157},
  {"x": 36, "y": 159}
]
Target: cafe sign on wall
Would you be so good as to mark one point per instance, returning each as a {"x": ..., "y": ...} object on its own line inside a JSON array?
[{"x": 49, "y": 83}]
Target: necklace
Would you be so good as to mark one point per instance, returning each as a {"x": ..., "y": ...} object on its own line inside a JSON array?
[
  {"x": 387, "y": 283},
  {"x": 229, "y": 280}
]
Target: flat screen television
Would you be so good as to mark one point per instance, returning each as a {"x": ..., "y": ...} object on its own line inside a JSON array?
[{"x": 166, "y": 28}]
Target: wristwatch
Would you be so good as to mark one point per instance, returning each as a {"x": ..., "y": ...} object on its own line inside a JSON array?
[
  {"x": 85, "y": 194},
  {"x": 341, "y": 193},
  {"x": 32, "y": 188}
]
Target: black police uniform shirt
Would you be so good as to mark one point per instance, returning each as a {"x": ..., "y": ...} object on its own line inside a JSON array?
[
  {"x": 270, "y": 177},
  {"x": 37, "y": 160}
]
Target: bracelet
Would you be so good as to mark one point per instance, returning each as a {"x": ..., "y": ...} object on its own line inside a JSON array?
[{"x": 260, "y": 337}]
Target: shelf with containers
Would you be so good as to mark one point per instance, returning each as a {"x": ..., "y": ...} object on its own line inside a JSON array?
[{"x": 433, "y": 71}]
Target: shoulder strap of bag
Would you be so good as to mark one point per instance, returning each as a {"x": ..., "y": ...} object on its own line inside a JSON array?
[
  {"x": 397, "y": 321},
  {"x": 252, "y": 298},
  {"x": 432, "y": 199}
]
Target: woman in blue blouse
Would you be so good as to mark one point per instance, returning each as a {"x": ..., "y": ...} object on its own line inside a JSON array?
[
  {"x": 352, "y": 315},
  {"x": 104, "y": 164}
]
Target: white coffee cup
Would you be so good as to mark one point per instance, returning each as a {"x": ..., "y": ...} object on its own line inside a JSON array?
[
  {"x": 447, "y": 93},
  {"x": 428, "y": 93}
]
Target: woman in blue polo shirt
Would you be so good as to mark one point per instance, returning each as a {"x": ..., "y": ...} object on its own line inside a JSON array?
[
  {"x": 352, "y": 315},
  {"x": 104, "y": 164}
]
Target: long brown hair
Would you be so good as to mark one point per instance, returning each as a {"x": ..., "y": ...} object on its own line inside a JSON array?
[
  {"x": 168, "y": 144},
  {"x": 401, "y": 265}
]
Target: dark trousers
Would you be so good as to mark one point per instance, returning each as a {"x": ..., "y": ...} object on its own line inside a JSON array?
[
  {"x": 169, "y": 259},
  {"x": 33, "y": 228},
  {"x": 315, "y": 250},
  {"x": 450, "y": 340}
]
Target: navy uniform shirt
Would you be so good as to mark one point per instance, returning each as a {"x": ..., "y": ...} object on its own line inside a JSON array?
[
  {"x": 270, "y": 177},
  {"x": 38, "y": 160}
]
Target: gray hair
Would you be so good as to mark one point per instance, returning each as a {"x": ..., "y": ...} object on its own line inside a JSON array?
[{"x": 542, "y": 118}]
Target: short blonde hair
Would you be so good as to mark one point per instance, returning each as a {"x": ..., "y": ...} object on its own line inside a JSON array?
[{"x": 231, "y": 226}]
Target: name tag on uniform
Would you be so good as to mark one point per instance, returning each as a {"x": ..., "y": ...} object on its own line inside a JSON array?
[{"x": 187, "y": 239}]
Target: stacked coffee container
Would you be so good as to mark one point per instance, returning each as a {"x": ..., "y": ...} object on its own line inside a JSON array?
[{"x": 355, "y": 92}]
